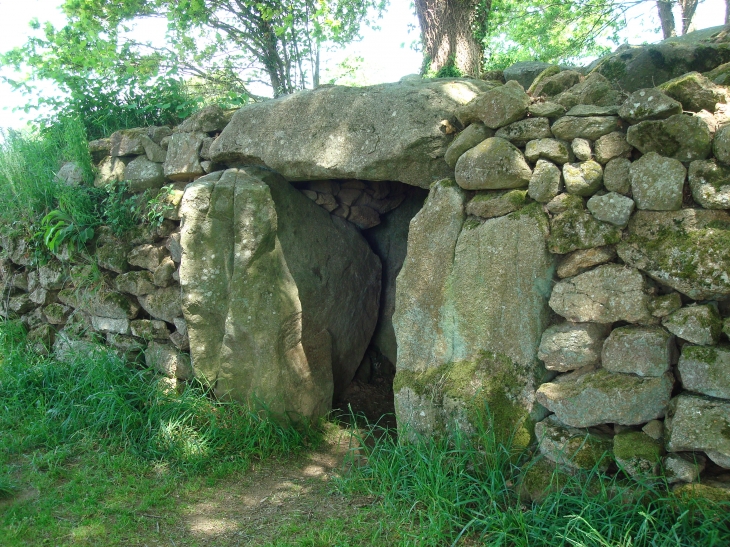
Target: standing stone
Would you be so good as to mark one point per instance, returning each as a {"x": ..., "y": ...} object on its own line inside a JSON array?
[
  {"x": 584, "y": 178},
  {"x": 644, "y": 351},
  {"x": 706, "y": 370},
  {"x": 586, "y": 399},
  {"x": 696, "y": 423},
  {"x": 568, "y": 128},
  {"x": 710, "y": 184},
  {"x": 616, "y": 176},
  {"x": 657, "y": 182},
  {"x": 453, "y": 321},
  {"x": 612, "y": 146},
  {"x": 569, "y": 346},
  {"x": 502, "y": 105},
  {"x": 466, "y": 140},
  {"x": 685, "y": 249},
  {"x": 605, "y": 294},
  {"x": 493, "y": 164},
  {"x": 648, "y": 104},
  {"x": 546, "y": 181},
  {"x": 280, "y": 298},
  {"x": 682, "y": 137},
  {"x": 698, "y": 324}
]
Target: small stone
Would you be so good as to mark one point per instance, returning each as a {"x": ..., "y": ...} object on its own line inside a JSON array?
[
  {"x": 208, "y": 119},
  {"x": 655, "y": 429},
  {"x": 549, "y": 149},
  {"x": 168, "y": 361},
  {"x": 661, "y": 306},
  {"x": 575, "y": 228},
  {"x": 521, "y": 132},
  {"x": 127, "y": 142},
  {"x": 637, "y": 453},
  {"x": 571, "y": 447},
  {"x": 565, "y": 202},
  {"x": 698, "y": 324},
  {"x": 110, "y": 170},
  {"x": 582, "y": 149},
  {"x": 616, "y": 176},
  {"x": 109, "y": 324},
  {"x": 612, "y": 208},
  {"x": 568, "y": 128},
  {"x": 612, "y": 146},
  {"x": 466, "y": 140},
  {"x": 584, "y": 178},
  {"x": 147, "y": 256},
  {"x": 648, "y": 104},
  {"x": 584, "y": 110},
  {"x": 721, "y": 145},
  {"x": 546, "y": 181},
  {"x": 137, "y": 283},
  {"x": 182, "y": 162},
  {"x": 706, "y": 370},
  {"x": 555, "y": 84},
  {"x": 363, "y": 217},
  {"x": 606, "y": 294},
  {"x": 150, "y": 329},
  {"x": 496, "y": 204},
  {"x": 586, "y": 399},
  {"x": 162, "y": 276},
  {"x": 644, "y": 351},
  {"x": 57, "y": 314},
  {"x": 682, "y": 137},
  {"x": 710, "y": 184},
  {"x": 163, "y": 304},
  {"x": 142, "y": 174},
  {"x": 547, "y": 110},
  {"x": 580, "y": 261},
  {"x": 683, "y": 467},
  {"x": 699, "y": 424},
  {"x": 657, "y": 182},
  {"x": 570, "y": 346},
  {"x": 502, "y": 105},
  {"x": 493, "y": 164}
]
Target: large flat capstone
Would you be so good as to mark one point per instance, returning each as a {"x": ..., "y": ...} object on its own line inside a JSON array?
[
  {"x": 382, "y": 132},
  {"x": 280, "y": 298}
]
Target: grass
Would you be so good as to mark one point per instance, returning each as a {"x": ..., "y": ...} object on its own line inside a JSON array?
[{"x": 93, "y": 452}]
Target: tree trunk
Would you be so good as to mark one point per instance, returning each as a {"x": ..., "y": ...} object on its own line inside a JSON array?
[
  {"x": 447, "y": 32},
  {"x": 688, "y": 12},
  {"x": 666, "y": 17}
]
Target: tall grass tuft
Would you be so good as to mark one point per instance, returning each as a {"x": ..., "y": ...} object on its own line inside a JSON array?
[
  {"x": 471, "y": 490},
  {"x": 97, "y": 399}
]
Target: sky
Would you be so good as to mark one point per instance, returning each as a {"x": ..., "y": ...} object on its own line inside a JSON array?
[{"x": 386, "y": 53}]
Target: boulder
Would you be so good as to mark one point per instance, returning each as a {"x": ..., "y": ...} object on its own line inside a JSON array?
[
  {"x": 209, "y": 119},
  {"x": 569, "y": 346},
  {"x": 549, "y": 149},
  {"x": 127, "y": 142},
  {"x": 142, "y": 174},
  {"x": 496, "y": 204},
  {"x": 721, "y": 145},
  {"x": 661, "y": 306},
  {"x": 616, "y": 176},
  {"x": 555, "y": 84},
  {"x": 574, "y": 228},
  {"x": 582, "y": 149},
  {"x": 648, "y": 104},
  {"x": 635, "y": 67},
  {"x": 685, "y": 249},
  {"x": 608, "y": 293},
  {"x": 706, "y": 370},
  {"x": 710, "y": 184},
  {"x": 502, "y": 105},
  {"x": 590, "y": 398},
  {"x": 637, "y": 453},
  {"x": 546, "y": 109},
  {"x": 466, "y": 140},
  {"x": 384, "y": 132},
  {"x": 525, "y": 72},
  {"x": 168, "y": 361},
  {"x": 698, "y": 324},
  {"x": 612, "y": 208},
  {"x": 695, "y": 91},
  {"x": 594, "y": 90},
  {"x": 162, "y": 304},
  {"x": 279, "y": 297},
  {"x": 183, "y": 157},
  {"x": 657, "y": 182},
  {"x": 453, "y": 321},
  {"x": 568, "y": 128},
  {"x": 682, "y": 137},
  {"x": 582, "y": 260},
  {"x": 695, "y": 423},
  {"x": 644, "y": 351},
  {"x": 612, "y": 146},
  {"x": 546, "y": 181},
  {"x": 492, "y": 165},
  {"x": 584, "y": 178},
  {"x": 572, "y": 448},
  {"x": 521, "y": 132}
]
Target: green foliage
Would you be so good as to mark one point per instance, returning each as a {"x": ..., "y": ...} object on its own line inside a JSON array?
[
  {"x": 123, "y": 211},
  {"x": 158, "y": 206}
]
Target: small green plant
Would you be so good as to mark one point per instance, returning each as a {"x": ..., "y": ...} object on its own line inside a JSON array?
[
  {"x": 60, "y": 227},
  {"x": 122, "y": 211},
  {"x": 159, "y": 206}
]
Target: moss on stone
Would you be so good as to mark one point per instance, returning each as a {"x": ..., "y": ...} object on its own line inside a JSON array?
[
  {"x": 576, "y": 229},
  {"x": 702, "y": 491},
  {"x": 629, "y": 445},
  {"x": 541, "y": 478}
]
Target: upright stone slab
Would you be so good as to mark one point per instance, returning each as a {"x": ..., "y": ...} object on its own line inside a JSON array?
[
  {"x": 382, "y": 132},
  {"x": 471, "y": 308},
  {"x": 280, "y": 299}
]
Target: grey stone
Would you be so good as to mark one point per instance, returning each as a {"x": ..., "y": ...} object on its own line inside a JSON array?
[
  {"x": 183, "y": 157},
  {"x": 544, "y": 75},
  {"x": 612, "y": 208},
  {"x": 571, "y": 447},
  {"x": 696, "y": 423},
  {"x": 574, "y": 228},
  {"x": 584, "y": 178},
  {"x": 605, "y": 294},
  {"x": 657, "y": 182},
  {"x": 582, "y": 149},
  {"x": 710, "y": 184},
  {"x": 154, "y": 151},
  {"x": 546, "y": 181},
  {"x": 655, "y": 429},
  {"x": 568, "y": 128},
  {"x": 466, "y": 140},
  {"x": 42, "y": 296},
  {"x": 546, "y": 109},
  {"x": 137, "y": 283},
  {"x": 593, "y": 90},
  {"x": 637, "y": 453},
  {"x": 644, "y": 351},
  {"x": 280, "y": 298},
  {"x": 524, "y": 72},
  {"x": 141, "y": 174},
  {"x": 52, "y": 275},
  {"x": 550, "y": 149},
  {"x": 661, "y": 306},
  {"x": 163, "y": 304},
  {"x": 706, "y": 370},
  {"x": 99, "y": 149},
  {"x": 612, "y": 146},
  {"x": 150, "y": 329},
  {"x": 695, "y": 91},
  {"x": 57, "y": 314},
  {"x": 493, "y": 164},
  {"x": 496, "y": 204},
  {"x": 21, "y": 304},
  {"x": 101, "y": 303},
  {"x": 147, "y": 256},
  {"x": 556, "y": 84},
  {"x": 385, "y": 132},
  {"x": 570, "y": 346},
  {"x": 466, "y": 114},
  {"x": 208, "y": 119},
  {"x": 582, "y": 260},
  {"x": 158, "y": 132},
  {"x": 127, "y": 142},
  {"x": 502, "y": 105},
  {"x": 648, "y": 104},
  {"x": 168, "y": 361},
  {"x": 592, "y": 110},
  {"x": 70, "y": 174},
  {"x": 585, "y": 399},
  {"x": 616, "y": 176},
  {"x": 698, "y": 324},
  {"x": 683, "y": 467},
  {"x": 110, "y": 170},
  {"x": 686, "y": 250},
  {"x": 162, "y": 275},
  {"x": 108, "y": 324},
  {"x": 721, "y": 145},
  {"x": 521, "y": 132},
  {"x": 682, "y": 137}
]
